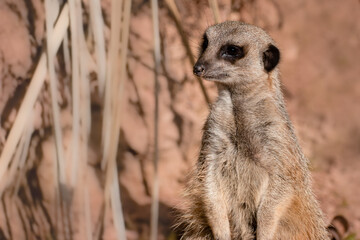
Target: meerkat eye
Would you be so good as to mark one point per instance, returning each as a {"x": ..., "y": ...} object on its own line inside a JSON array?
[
  {"x": 205, "y": 43},
  {"x": 231, "y": 52}
]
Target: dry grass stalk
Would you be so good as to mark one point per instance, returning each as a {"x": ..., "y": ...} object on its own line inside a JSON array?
[
  {"x": 19, "y": 158},
  {"x": 81, "y": 60},
  {"x": 66, "y": 51},
  {"x": 87, "y": 210},
  {"x": 215, "y": 9},
  {"x": 75, "y": 70},
  {"x": 173, "y": 8},
  {"x": 24, "y": 153},
  {"x": 31, "y": 95},
  {"x": 111, "y": 77},
  {"x": 97, "y": 26},
  {"x": 109, "y": 116},
  {"x": 113, "y": 107},
  {"x": 115, "y": 191},
  {"x": 52, "y": 9},
  {"x": 157, "y": 60},
  {"x": 85, "y": 119},
  {"x": 174, "y": 12},
  {"x": 86, "y": 64}
]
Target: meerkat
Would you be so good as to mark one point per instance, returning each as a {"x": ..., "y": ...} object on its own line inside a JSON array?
[{"x": 251, "y": 180}]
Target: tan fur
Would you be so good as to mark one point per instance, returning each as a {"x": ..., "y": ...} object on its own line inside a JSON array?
[{"x": 251, "y": 180}]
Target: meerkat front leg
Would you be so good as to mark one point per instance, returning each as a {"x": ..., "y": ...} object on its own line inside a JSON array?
[
  {"x": 274, "y": 203},
  {"x": 216, "y": 207}
]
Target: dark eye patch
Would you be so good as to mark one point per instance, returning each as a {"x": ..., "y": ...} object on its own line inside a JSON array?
[
  {"x": 231, "y": 52},
  {"x": 204, "y": 44}
]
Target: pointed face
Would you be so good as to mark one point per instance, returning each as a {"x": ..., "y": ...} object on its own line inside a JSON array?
[{"x": 234, "y": 52}]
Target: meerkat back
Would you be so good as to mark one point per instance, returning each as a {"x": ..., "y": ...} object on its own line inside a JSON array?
[{"x": 251, "y": 180}]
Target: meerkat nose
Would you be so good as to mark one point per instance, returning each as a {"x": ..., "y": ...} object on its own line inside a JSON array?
[{"x": 199, "y": 69}]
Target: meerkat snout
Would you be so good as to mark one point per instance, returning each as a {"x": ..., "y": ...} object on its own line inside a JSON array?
[{"x": 199, "y": 69}]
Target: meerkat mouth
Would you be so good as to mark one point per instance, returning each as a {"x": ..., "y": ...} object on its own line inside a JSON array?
[{"x": 215, "y": 76}]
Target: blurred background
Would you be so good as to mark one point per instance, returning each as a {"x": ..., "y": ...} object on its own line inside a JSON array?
[{"x": 77, "y": 107}]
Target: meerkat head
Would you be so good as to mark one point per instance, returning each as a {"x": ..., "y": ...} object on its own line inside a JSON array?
[{"x": 234, "y": 52}]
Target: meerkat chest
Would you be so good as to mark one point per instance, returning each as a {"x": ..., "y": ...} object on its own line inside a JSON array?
[
  {"x": 232, "y": 154},
  {"x": 221, "y": 127},
  {"x": 222, "y": 116}
]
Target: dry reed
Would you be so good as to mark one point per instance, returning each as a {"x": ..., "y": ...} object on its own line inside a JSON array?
[
  {"x": 31, "y": 95},
  {"x": 215, "y": 10},
  {"x": 174, "y": 13},
  {"x": 115, "y": 90},
  {"x": 157, "y": 60}
]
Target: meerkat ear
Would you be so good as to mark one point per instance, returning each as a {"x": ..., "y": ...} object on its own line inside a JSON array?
[{"x": 271, "y": 57}]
